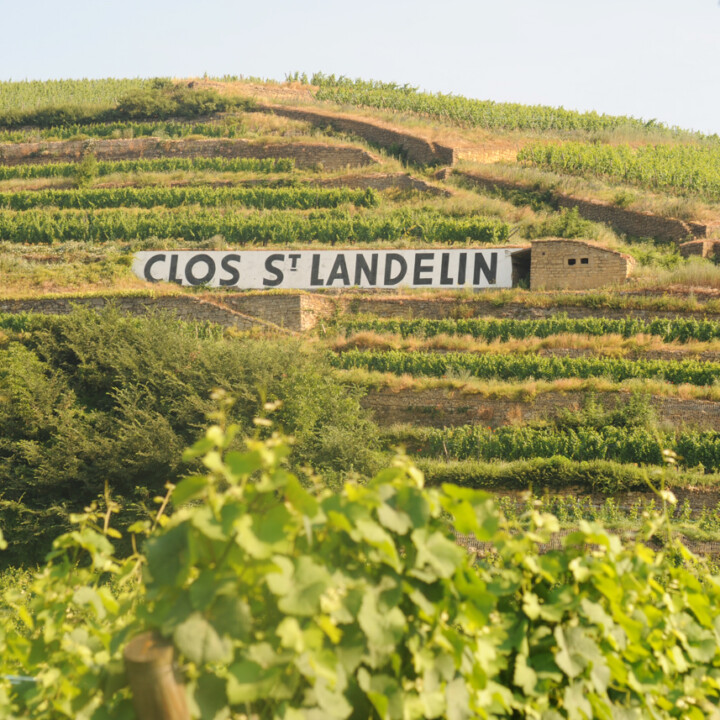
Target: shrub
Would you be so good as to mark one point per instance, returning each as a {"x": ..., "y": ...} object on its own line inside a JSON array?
[
  {"x": 86, "y": 171},
  {"x": 100, "y": 397}
]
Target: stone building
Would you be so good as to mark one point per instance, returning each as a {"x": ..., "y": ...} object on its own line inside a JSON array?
[{"x": 559, "y": 264}]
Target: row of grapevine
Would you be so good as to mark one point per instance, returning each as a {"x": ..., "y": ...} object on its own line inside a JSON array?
[
  {"x": 524, "y": 367},
  {"x": 489, "y": 329},
  {"x": 621, "y": 444},
  {"x": 31, "y": 94},
  {"x": 273, "y": 226},
  {"x": 671, "y": 168},
  {"x": 155, "y": 165},
  {"x": 283, "y": 198},
  {"x": 125, "y": 129},
  {"x": 475, "y": 113}
]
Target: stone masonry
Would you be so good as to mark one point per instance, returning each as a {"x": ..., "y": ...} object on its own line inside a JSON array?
[
  {"x": 415, "y": 148},
  {"x": 440, "y": 407},
  {"x": 631, "y": 222},
  {"x": 701, "y": 248},
  {"x": 576, "y": 265},
  {"x": 184, "y": 307},
  {"x": 305, "y": 155}
]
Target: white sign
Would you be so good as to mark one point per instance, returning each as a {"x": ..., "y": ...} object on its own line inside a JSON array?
[{"x": 312, "y": 269}]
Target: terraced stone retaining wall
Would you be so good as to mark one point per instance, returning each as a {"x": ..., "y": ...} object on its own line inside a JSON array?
[
  {"x": 184, "y": 307},
  {"x": 631, "y": 222},
  {"x": 305, "y": 155},
  {"x": 439, "y": 407},
  {"x": 415, "y": 148},
  {"x": 440, "y": 308}
]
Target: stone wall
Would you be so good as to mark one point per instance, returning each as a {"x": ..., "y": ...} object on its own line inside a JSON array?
[
  {"x": 701, "y": 248},
  {"x": 446, "y": 408},
  {"x": 439, "y": 308},
  {"x": 293, "y": 312},
  {"x": 299, "y": 312},
  {"x": 284, "y": 309},
  {"x": 631, "y": 222},
  {"x": 575, "y": 265},
  {"x": 386, "y": 181},
  {"x": 331, "y": 157},
  {"x": 415, "y": 148},
  {"x": 184, "y": 307}
]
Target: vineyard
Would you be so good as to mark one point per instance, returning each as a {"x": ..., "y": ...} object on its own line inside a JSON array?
[
  {"x": 636, "y": 445},
  {"x": 279, "y": 198},
  {"x": 522, "y": 367},
  {"x": 328, "y": 575},
  {"x": 125, "y": 130},
  {"x": 465, "y": 112},
  {"x": 156, "y": 165},
  {"x": 669, "y": 329},
  {"x": 270, "y": 227},
  {"x": 677, "y": 169}
]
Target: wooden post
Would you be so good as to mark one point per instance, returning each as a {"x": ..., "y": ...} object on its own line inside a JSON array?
[{"x": 157, "y": 694}]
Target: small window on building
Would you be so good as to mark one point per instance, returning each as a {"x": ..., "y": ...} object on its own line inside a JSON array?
[
  {"x": 584, "y": 261},
  {"x": 572, "y": 261}
]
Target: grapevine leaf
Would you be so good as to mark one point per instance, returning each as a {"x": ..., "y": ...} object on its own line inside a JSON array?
[{"x": 198, "y": 640}]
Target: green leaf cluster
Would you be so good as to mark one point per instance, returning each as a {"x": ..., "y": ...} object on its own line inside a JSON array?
[{"x": 289, "y": 602}]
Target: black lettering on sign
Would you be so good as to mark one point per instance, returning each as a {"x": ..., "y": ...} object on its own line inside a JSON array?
[
  {"x": 277, "y": 272},
  {"x": 339, "y": 271},
  {"x": 369, "y": 271},
  {"x": 445, "y": 279},
  {"x": 172, "y": 275},
  {"x": 315, "y": 279},
  {"x": 190, "y": 269},
  {"x": 391, "y": 258},
  {"x": 293, "y": 257},
  {"x": 461, "y": 268},
  {"x": 228, "y": 268},
  {"x": 490, "y": 273},
  {"x": 419, "y": 268},
  {"x": 147, "y": 272}
]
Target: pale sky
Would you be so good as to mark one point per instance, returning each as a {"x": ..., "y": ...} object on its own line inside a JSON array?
[{"x": 648, "y": 58}]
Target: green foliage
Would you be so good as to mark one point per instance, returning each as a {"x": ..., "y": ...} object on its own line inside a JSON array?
[
  {"x": 283, "y": 198},
  {"x": 228, "y": 127},
  {"x": 145, "y": 103},
  {"x": 523, "y": 367},
  {"x": 669, "y": 329},
  {"x": 332, "y": 227},
  {"x": 158, "y": 165},
  {"x": 677, "y": 169},
  {"x": 626, "y": 433},
  {"x": 553, "y": 473},
  {"x": 85, "y": 171},
  {"x": 288, "y": 603},
  {"x": 565, "y": 224},
  {"x": 33, "y": 94},
  {"x": 466, "y": 112},
  {"x": 93, "y": 398}
]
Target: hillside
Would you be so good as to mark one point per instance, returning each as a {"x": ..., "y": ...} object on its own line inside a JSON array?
[{"x": 573, "y": 393}]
